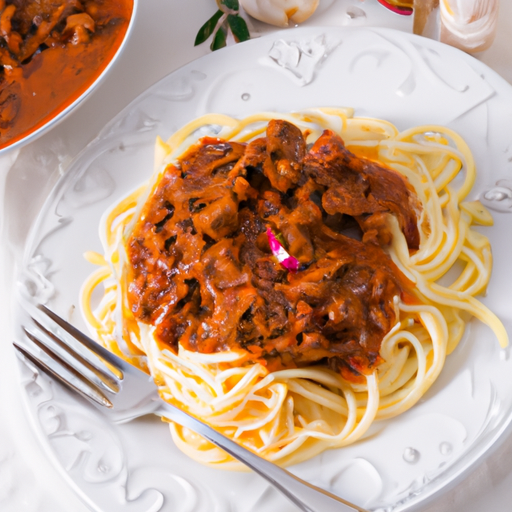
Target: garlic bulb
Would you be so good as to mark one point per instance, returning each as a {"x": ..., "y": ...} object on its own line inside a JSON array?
[
  {"x": 469, "y": 24},
  {"x": 280, "y": 12}
]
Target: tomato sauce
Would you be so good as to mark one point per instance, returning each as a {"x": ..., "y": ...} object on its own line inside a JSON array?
[
  {"x": 51, "y": 51},
  {"x": 201, "y": 269}
]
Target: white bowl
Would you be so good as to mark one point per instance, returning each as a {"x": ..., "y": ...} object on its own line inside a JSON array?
[{"x": 58, "y": 115}]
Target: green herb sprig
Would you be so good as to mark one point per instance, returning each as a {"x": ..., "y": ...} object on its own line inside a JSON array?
[{"x": 224, "y": 20}]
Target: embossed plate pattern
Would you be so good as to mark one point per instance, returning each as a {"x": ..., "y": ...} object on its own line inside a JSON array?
[{"x": 381, "y": 73}]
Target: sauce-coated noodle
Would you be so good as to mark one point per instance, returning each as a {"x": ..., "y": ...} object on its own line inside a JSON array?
[{"x": 288, "y": 414}]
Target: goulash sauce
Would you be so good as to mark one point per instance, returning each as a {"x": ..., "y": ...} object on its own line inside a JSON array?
[
  {"x": 50, "y": 52},
  {"x": 201, "y": 269}
]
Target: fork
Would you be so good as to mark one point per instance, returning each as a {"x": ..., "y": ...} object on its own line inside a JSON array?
[{"x": 123, "y": 392}]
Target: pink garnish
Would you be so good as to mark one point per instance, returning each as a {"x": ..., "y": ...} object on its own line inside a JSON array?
[{"x": 287, "y": 261}]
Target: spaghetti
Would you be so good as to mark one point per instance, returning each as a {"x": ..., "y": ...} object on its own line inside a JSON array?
[{"x": 275, "y": 398}]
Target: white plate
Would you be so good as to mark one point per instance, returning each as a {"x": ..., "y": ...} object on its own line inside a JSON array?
[{"x": 381, "y": 73}]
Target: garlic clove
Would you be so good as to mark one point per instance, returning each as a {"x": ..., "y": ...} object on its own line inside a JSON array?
[{"x": 280, "y": 12}]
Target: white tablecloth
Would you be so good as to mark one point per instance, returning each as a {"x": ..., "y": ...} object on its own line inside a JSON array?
[{"x": 162, "y": 41}]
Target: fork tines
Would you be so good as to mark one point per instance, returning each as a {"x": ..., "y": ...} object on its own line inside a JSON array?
[
  {"x": 91, "y": 371},
  {"x": 65, "y": 374}
]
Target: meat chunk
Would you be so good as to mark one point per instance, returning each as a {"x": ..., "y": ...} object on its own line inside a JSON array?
[
  {"x": 361, "y": 188},
  {"x": 278, "y": 157}
]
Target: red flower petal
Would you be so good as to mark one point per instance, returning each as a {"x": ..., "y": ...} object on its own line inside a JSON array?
[
  {"x": 287, "y": 261},
  {"x": 404, "y": 11}
]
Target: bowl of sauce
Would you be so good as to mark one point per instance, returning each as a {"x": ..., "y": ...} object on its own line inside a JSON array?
[{"x": 52, "y": 55}]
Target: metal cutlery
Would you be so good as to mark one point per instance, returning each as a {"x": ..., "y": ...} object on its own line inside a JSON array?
[{"x": 123, "y": 392}]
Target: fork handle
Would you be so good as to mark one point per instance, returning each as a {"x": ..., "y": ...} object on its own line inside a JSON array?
[{"x": 306, "y": 496}]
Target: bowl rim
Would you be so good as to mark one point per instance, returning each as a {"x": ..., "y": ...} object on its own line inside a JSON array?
[{"x": 54, "y": 121}]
